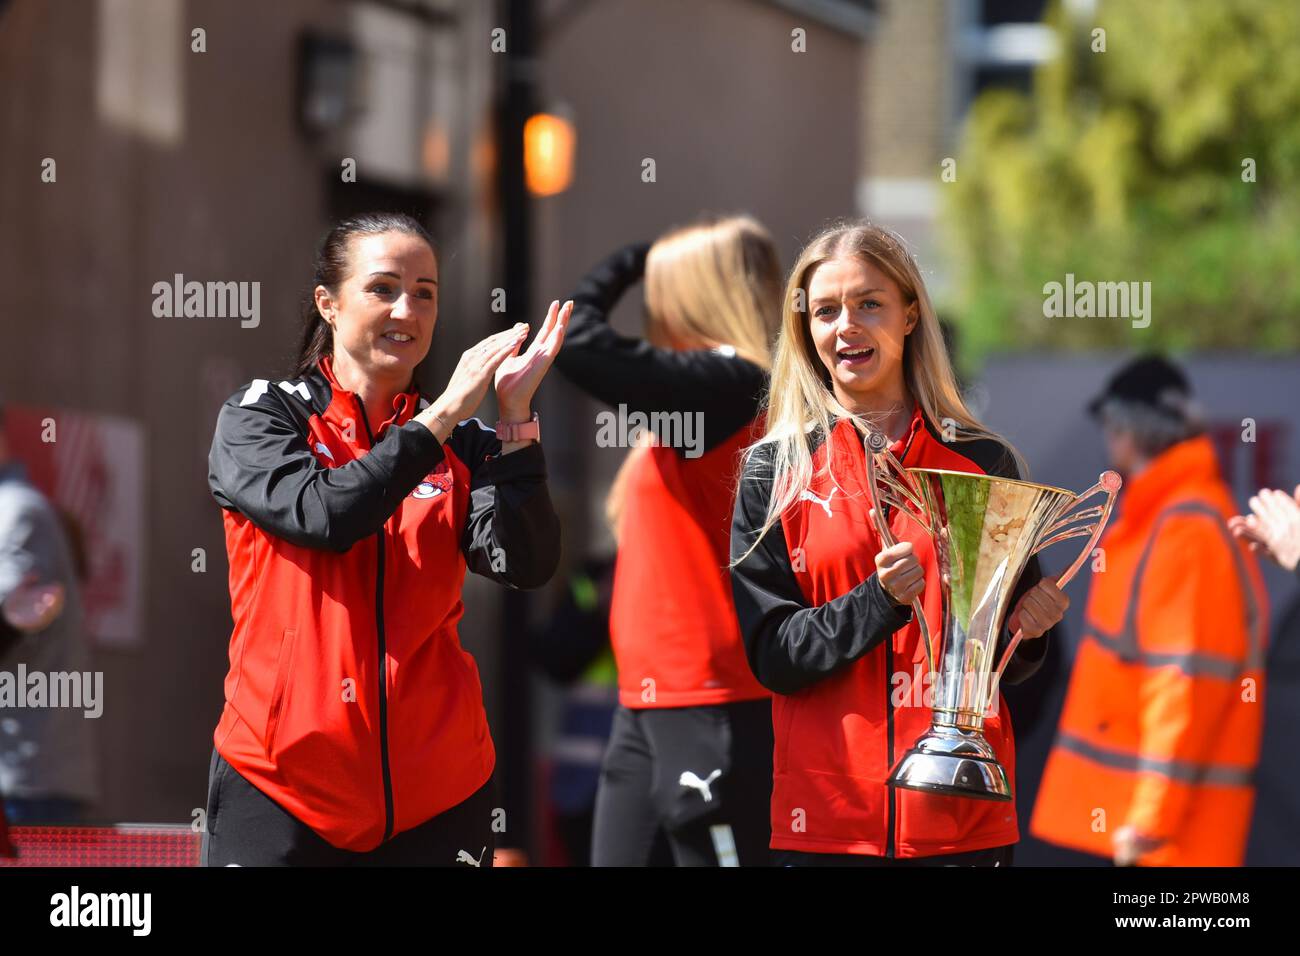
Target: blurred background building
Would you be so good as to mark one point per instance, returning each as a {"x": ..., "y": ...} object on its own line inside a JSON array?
[
  {"x": 216, "y": 139},
  {"x": 928, "y": 63}
]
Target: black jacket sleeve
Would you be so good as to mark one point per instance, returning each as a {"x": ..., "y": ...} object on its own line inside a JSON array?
[
  {"x": 512, "y": 533},
  {"x": 791, "y": 646},
  {"x": 1029, "y": 655},
  {"x": 618, "y": 370},
  {"x": 261, "y": 466}
]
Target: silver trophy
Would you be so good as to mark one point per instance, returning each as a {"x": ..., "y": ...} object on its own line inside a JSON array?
[{"x": 985, "y": 530}]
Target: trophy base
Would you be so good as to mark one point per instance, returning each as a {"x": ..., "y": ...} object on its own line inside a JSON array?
[{"x": 954, "y": 763}]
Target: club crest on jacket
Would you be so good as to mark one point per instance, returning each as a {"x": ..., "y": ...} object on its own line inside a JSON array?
[{"x": 432, "y": 486}]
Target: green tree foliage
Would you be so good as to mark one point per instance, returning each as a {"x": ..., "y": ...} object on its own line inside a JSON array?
[{"x": 1127, "y": 165}]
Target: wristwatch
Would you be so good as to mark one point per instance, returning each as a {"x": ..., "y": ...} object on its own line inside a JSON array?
[{"x": 520, "y": 431}]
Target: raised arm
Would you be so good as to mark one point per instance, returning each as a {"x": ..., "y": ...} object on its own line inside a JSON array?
[
  {"x": 261, "y": 466},
  {"x": 511, "y": 533},
  {"x": 623, "y": 370}
]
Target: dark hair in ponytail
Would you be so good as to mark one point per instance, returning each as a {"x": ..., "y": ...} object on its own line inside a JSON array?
[{"x": 331, "y": 268}]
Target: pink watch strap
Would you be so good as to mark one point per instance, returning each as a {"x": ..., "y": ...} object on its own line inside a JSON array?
[{"x": 520, "y": 431}]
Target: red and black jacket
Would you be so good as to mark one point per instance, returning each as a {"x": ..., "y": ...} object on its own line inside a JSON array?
[
  {"x": 672, "y": 624},
  {"x": 349, "y": 700},
  {"x": 846, "y": 664}
]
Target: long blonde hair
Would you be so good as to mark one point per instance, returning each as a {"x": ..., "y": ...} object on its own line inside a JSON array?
[
  {"x": 715, "y": 282},
  {"x": 801, "y": 403}
]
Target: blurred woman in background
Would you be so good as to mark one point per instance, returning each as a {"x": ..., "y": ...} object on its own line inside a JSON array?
[{"x": 691, "y": 748}]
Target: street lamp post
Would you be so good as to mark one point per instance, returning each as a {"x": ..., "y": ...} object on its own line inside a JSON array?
[{"x": 518, "y": 102}]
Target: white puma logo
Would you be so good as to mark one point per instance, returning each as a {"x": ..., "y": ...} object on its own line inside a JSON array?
[
  {"x": 688, "y": 779},
  {"x": 255, "y": 391},
  {"x": 463, "y": 857},
  {"x": 297, "y": 388},
  {"x": 825, "y": 503}
]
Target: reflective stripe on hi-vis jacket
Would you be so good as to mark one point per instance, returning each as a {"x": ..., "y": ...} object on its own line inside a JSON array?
[
  {"x": 1162, "y": 722},
  {"x": 349, "y": 700},
  {"x": 846, "y": 664}
]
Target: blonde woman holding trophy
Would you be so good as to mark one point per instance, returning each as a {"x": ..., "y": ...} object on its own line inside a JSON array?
[{"x": 825, "y": 605}]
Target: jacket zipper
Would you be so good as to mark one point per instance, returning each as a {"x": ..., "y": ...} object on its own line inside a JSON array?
[
  {"x": 889, "y": 737},
  {"x": 889, "y": 701},
  {"x": 383, "y": 659}
]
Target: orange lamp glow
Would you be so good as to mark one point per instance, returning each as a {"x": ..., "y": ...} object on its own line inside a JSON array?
[{"x": 548, "y": 154}]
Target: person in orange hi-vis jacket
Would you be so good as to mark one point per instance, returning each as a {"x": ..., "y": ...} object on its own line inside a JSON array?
[{"x": 1160, "y": 733}]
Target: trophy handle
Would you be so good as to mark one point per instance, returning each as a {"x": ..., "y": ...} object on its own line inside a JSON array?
[
  {"x": 889, "y": 484},
  {"x": 1109, "y": 482}
]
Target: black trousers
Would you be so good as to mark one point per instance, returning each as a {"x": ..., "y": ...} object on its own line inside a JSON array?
[
  {"x": 700, "y": 775},
  {"x": 247, "y": 828},
  {"x": 994, "y": 856}
]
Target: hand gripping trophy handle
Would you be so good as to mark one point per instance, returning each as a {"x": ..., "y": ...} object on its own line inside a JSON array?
[
  {"x": 890, "y": 485},
  {"x": 1059, "y": 530}
]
